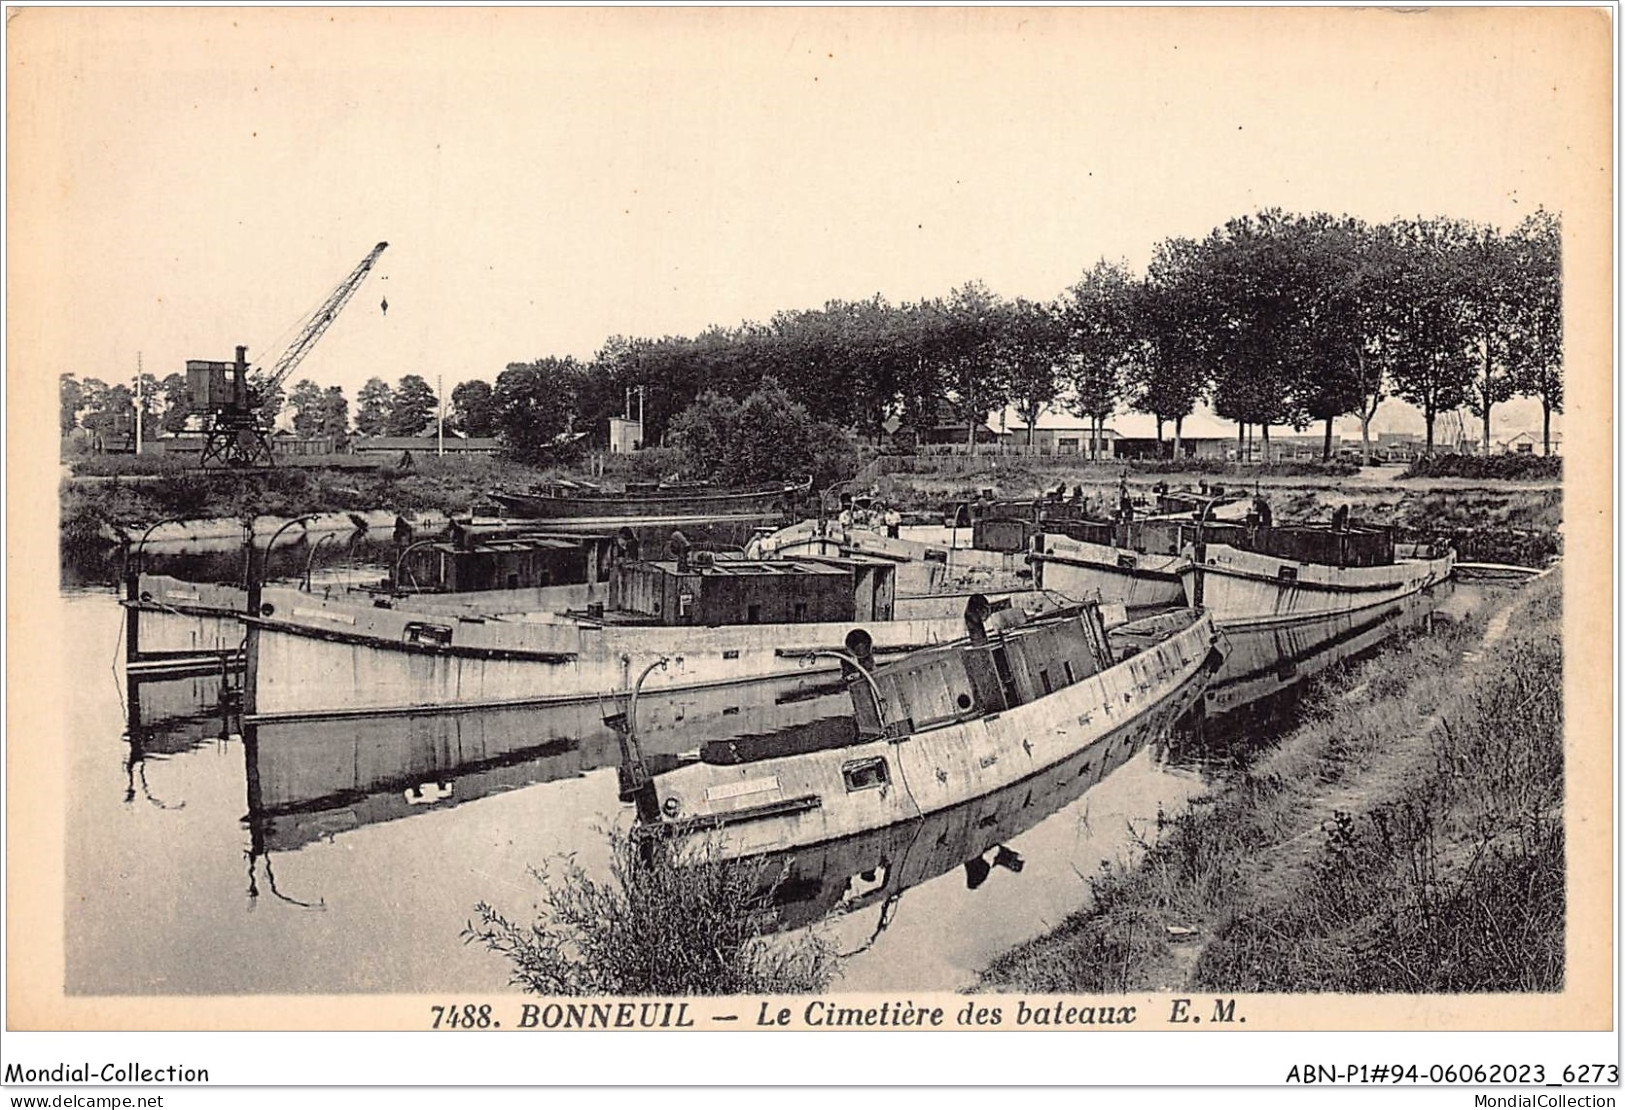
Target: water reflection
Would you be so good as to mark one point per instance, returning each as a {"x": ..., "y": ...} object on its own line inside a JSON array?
[
  {"x": 1262, "y": 668},
  {"x": 312, "y": 779},
  {"x": 214, "y": 811},
  {"x": 856, "y": 872},
  {"x": 1254, "y": 696}
]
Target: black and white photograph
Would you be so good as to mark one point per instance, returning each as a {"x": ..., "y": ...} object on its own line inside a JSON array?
[{"x": 975, "y": 519}]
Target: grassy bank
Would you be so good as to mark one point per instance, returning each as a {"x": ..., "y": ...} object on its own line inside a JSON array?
[
  {"x": 139, "y": 497},
  {"x": 1486, "y": 521},
  {"x": 1407, "y": 836}
]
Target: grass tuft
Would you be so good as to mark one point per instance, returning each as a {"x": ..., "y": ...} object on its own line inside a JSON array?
[{"x": 670, "y": 919}]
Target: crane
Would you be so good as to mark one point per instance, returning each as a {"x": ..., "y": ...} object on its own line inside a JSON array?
[{"x": 232, "y": 399}]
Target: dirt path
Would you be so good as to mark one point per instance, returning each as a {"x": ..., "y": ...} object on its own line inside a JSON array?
[{"x": 1283, "y": 866}]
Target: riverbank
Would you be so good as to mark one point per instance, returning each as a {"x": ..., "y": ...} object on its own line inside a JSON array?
[
  {"x": 95, "y": 506},
  {"x": 1488, "y": 520},
  {"x": 1407, "y": 836}
]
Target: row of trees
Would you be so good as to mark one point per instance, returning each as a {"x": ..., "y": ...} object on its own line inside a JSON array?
[
  {"x": 1274, "y": 320},
  {"x": 109, "y": 411},
  {"x": 404, "y": 409}
]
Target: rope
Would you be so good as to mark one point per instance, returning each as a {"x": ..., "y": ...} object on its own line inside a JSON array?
[
  {"x": 888, "y": 909},
  {"x": 123, "y": 620}
]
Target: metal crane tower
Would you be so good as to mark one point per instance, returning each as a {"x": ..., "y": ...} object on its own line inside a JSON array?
[{"x": 231, "y": 399}]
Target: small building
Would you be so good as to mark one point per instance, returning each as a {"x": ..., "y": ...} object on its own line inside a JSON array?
[
  {"x": 1528, "y": 443},
  {"x": 285, "y": 442},
  {"x": 625, "y": 436},
  {"x": 946, "y": 430},
  {"x": 1068, "y": 439},
  {"x": 1190, "y": 447}
]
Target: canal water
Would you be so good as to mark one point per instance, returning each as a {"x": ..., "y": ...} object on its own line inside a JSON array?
[{"x": 208, "y": 858}]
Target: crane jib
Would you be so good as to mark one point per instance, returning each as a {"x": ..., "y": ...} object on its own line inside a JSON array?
[
  {"x": 320, "y": 321},
  {"x": 236, "y": 429}
]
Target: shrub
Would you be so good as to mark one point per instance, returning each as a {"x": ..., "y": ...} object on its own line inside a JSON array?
[
  {"x": 1527, "y": 467},
  {"x": 671, "y": 919}
]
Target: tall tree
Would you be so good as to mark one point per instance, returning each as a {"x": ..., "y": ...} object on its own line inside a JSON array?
[
  {"x": 1430, "y": 364},
  {"x": 177, "y": 403},
  {"x": 874, "y": 346},
  {"x": 534, "y": 404},
  {"x": 710, "y": 435},
  {"x": 111, "y": 415},
  {"x": 473, "y": 409},
  {"x": 1373, "y": 299},
  {"x": 970, "y": 323},
  {"x": 373, "y": 406},
  {"x": 1170, "y": 369},
  {"x": 1538, "y": 248},
  {"x": 414, "y": 408},
  {"x": 1488, "y": 279},
  {"x": 306, "y": 399},
  {"x": 334, "y": 415},
  {"x": 776, "y": 434},
  {"x": 1329, "y": 382},
  {"x": 73, "y": 402},
  {"x": 1256, "y": 320},
  {"x": 1100, "y": 343},
  {"x": 769, "y": 436},
  {"x": 914, "y": 341},
  {"x": 1031, "y": 348}
]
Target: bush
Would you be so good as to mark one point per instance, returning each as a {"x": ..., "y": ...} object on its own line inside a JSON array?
[
  {"x": 108, "y": 465},
  {"x": 647, "y": 465},
  {"x": 671, "y": 919},
  {"x": 1333, "y": 469},
  {"x": 1527, "y": 467}
]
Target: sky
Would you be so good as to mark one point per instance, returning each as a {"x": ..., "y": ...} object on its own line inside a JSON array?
[{"x": 185, "y": 180}]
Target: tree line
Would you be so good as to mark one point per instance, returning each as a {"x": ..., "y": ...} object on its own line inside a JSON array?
[{"x": 1274, "y": 319}]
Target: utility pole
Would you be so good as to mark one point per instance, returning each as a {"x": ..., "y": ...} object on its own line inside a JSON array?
[
  {"x": 440, "y": 428},
  {"x": 140, "y": 405}
]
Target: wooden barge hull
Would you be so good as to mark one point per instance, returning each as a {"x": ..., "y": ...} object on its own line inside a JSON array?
[
  {"x": 1264, "y": 660},
  {"x": 1084, "y": 571},
  {"x": 323, "y": 658},
  {"x": 851, "y": 874},
  {"x": 658, "y": 508},
  {"x": 806, "y": 799},
  {"x": 172, "y": 619},
  {"x": 316, "y": 778},
  {"x": 1244, "y": 589}
]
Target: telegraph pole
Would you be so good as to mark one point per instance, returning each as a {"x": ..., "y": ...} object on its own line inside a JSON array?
[
  {"x": 140, "y": 403},
  {"x": 440, "y": 430}
]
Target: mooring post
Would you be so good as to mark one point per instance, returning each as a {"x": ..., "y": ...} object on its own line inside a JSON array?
[
  {"x": 132, "y": 608},
  {"x": 634, "y": 772}
]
